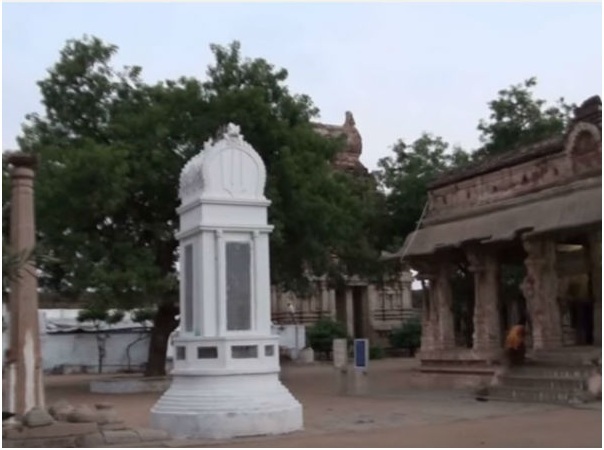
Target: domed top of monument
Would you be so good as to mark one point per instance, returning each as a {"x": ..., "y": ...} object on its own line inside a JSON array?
[{"x": 228, "y": 169}]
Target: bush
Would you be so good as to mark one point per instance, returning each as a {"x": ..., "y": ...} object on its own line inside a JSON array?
[
  {"x": 321, "y": 335},
  {"x": 408, "y": 336},
  {"x": 376, "y": 353}
]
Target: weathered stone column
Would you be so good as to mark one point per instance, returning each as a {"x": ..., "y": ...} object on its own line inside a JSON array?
[
  {"x": 25, "y": 386},
  {"x": 540, "y": 288},
  {"x": 371, "y": 307},
  {"x": 429, "y": 317},
  {"x": 406, "y": 279},
  {"x": 487, "y": 321},
  {"x": 332, "y": 304},
  {"x": 349, "y": 312},
  {"x": 444, "y": 302},
  {"x": 324, "y": 297},
  {"x": 595, "y": 263}
]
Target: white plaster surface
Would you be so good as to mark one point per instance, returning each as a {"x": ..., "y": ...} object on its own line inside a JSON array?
[
  {"x": 225, "y": 380},
  {"x": 221, "y": 407}
]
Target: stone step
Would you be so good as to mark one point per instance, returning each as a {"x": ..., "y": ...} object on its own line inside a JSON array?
[
  {"x": 554, "y": 371},
  {"x": 534, "y": 395},
  {"x": 567, "y": 357},
  {"x": 541, "y": 382}
]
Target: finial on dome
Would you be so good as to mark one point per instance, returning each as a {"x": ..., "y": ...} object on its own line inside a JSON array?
[
  {"x": 232, "y": 131},
  {"x": 208, "y": 144}
]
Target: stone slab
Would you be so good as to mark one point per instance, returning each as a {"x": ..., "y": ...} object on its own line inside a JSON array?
[
  {"x": 150, "y": 434},
  {"x": 93, "y": 440},
  {"x": 62, "y": 442},
  {"x": 58, "y": 429},
  {"x": 115, "y": 437}
]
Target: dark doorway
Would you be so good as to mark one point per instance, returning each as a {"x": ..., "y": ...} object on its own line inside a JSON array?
[
  {"x": 341, "y": 305},
  {"x": 582, "y": 320},
  {"x": 359, "y": 311}
]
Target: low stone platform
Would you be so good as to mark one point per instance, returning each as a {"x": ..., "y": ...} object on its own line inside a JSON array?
[
  {"x": 128, "y": 437},
  {"x": 64, "y": 425},
  {"x": 565, "y": 376},
  {"x": 55, "y": 435}
]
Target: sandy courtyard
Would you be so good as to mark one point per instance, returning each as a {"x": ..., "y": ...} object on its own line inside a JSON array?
[{"x": 402, "y": 408}]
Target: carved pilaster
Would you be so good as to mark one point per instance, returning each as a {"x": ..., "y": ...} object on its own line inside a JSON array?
[
  {"x": 429, "y": 316},
  {"x": 540, "y": 288},
  {"x": 595, "y": 268},
  {"x": 406, "y": 279},
  {"x": 444, "y": 301},
  {"x": 487, "y": 321}
]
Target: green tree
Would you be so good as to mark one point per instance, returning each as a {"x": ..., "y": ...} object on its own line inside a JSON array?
[
  {"x": 111, "y": 149},
  {"x": 404, "y": 177},
  {"x": 517, "y": 118}
]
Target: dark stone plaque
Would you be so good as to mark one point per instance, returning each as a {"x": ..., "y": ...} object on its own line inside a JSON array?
[{"x": 238, "y": 286}]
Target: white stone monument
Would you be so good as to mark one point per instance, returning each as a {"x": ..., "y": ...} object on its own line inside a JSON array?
[{"x": 225, "y": 381}]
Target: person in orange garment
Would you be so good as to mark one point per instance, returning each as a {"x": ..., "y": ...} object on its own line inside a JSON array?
[{"x": 515, "y": 347}]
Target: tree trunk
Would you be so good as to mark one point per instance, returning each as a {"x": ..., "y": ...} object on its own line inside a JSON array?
[{"x": 165, "y": 322}]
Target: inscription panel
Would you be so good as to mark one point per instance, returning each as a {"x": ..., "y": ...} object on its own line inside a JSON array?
[
  {"x": 238, "y": 286},
  {"x": 188, "y": 297}
]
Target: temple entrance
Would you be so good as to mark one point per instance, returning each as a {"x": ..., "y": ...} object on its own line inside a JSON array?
[
  {"x": 359, "y": 302},
  {"x": 341, "y": 305},
  {"x": 575, "y": 292},
  {"x": 582, "y": 320}
]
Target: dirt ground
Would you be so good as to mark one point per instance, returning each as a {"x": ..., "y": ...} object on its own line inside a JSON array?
[{"x": 401, "y": 408}]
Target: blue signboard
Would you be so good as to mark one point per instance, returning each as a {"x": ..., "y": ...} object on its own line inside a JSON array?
[{"x": 361, "y": 353}]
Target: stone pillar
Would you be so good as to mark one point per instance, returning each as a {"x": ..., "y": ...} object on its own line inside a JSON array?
[
  {"x": 595, "y": 266},
  {"x": 324, "y": 297},
  {"x": 444, "y": 302},
  {"x": 371, "y": 306},
  {"x": 332, "y": 304},
  {"x": 349, "y": 312},
  {"x": 487, "y": 320},
  {"x": 429, "y": 315},
  {"x": 540, "y": 288},
  {"x": 406, "y": 279},
  {"x": 25, "y": 386}
]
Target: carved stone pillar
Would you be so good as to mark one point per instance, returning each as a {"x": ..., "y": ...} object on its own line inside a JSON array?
[
  {"x": 487, "y": 320},
  {"x": 444, "y": 302},
  {"x": 540, "y": 288},
  {"x": 595, "y": 266},
  {"x": 429, "y": 317},
  {"x": 406, "y": 279}
]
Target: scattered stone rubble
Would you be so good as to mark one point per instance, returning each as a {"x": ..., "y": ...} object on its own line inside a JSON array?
[{"x": 66, "y": 425}]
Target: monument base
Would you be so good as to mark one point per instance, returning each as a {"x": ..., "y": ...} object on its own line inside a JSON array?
[{"x": 226, "y": 406}]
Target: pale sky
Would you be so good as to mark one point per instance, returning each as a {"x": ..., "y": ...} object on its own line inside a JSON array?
[{"x": 400, "y": 68}]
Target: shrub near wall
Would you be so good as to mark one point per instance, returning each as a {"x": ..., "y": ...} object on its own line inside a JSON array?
[
  {"x": 321, "y": 335},
  {"x": 407, "y": 337}
]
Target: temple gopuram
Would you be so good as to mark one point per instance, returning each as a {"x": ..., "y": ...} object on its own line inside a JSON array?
[{"x": 536, "y": 208}]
